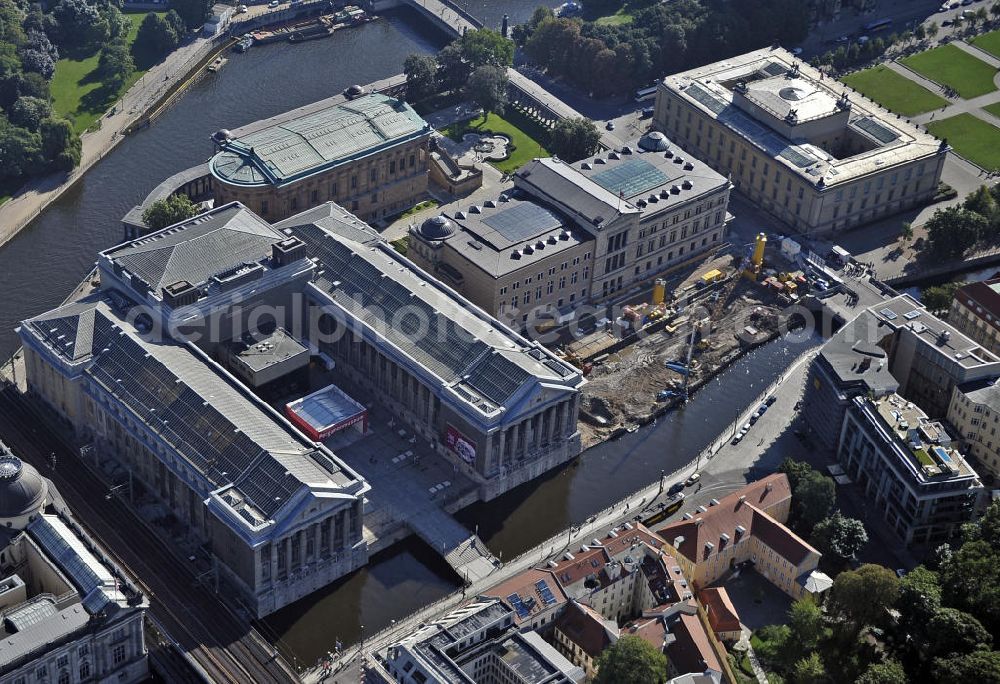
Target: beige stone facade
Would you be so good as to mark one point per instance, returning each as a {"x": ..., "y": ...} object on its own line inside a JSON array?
[
  {"x": 974, "y": 411},
  {"x": 975, "y": 312},
  {"x": 797, "y": 144},
  {"x": 384, "y": 184}
]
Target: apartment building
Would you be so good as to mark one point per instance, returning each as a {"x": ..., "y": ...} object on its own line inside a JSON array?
[
  {"x": 974, "y": 412},
  {"x": 975, "y": 312},
  {"x": 909, "y": 470}
]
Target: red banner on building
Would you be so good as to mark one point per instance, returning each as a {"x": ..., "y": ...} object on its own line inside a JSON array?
[{"x": 460, "y": 444}]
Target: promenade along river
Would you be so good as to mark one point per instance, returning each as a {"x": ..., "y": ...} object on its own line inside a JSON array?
[{"x": 46, "y": 261}]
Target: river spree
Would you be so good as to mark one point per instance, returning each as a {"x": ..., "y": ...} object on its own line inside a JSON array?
[{"x": 45, "y": 262}]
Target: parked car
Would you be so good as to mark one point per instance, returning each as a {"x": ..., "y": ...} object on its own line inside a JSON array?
[
  {"x": 610, "y": 125},
  {"x": 647, "y": 112},
  {"x": 675, "y": 487},
  {"x": 273, "y": 4},
  {"x": 754, "y": 418},
  {"x": 242, "y": 9},
  {"x": 771, "y": 399},
  {"x": 691, "y": 480},
  {"x": 737, "y": 439}
]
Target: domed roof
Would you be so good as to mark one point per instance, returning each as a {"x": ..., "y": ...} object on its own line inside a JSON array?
[
  {"x": 22, "y": 490},
  {"x": 437, "y": 228},
  {"x": 654, "y": 141},
  {"x": 793, "y": 93}
]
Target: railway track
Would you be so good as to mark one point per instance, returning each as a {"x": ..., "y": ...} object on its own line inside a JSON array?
[{"x": 225, "y": 649}]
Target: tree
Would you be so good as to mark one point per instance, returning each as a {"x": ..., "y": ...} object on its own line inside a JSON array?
[
  {"x": 193, "y": 12},
  {"x": 421, "y": 76},
  {"x": 21, "y": 151},
  {"x": 919, "y": 598},
  {"x": 28, "y": 112},
  {"x": 155, "y": 38},
  {"x": 862, "y": 596},
  {"x": 920, "y": 33},
  {"x": 453, "y": 70},
  {"x": 774, "y": 645},
  {"x": 906, "y": 231},
  {"x": 982, "y": 667},
  {"x": 808, "y": 670},
  {"x": 60, "y": 144},
  {"x": 813, "y": 500},
  {"x": 38, "y": 62},
  {"x": 954, "y": 230},
  {"x": 115, "y": 64},
  {"x": 81, "y": 26},
  {"x": 932, "y": 30},
  {"x": 485, "y": 47},
  {"x": 982, "y": 201},
  {"x": 970, "y": 580},
  {"x": 178, "y": 25},
  {"x": 631, "y": 659},
  {"x": 573, "y": 139},
  {"x": 805, "y": 620},
  {"x": 889, "y": 672},
  {"x": 166, "y": 212},
  {"x": 838, "y": 537},
  {"x": 487, "y": 87},
  {"x": 938, "y": 297},
  {"x": 952, "y": 631}
]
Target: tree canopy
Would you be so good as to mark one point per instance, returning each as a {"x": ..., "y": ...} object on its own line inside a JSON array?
[
  {"x": 487, "y": 87},
  {"x": 421, "y": 76},
  {"x": 889, "y": 672},
  {"x": 813, "y": 495},
  {"x": 166, "y": 212},
  {"x": 864, "y": 595},
  {"x": 838, "y": 537},
  {"x": 631, "y": 659},
  {"x": 573, "y": 139}
]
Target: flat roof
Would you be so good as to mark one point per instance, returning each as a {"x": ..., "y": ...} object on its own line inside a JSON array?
[
  {"x": 906, "y": 312},
  {"x": 709, "y": 88},
  {"x": 326, "y": 408},
  {"x": 509, "y": 233},
  {"x": 295, "y": 148},
  {"x": 260, "y": 352}
]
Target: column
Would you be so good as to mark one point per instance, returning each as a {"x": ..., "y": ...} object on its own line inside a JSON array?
[
  {"x": 316, "y": 541},
  {"x": 274, "y": 561}
]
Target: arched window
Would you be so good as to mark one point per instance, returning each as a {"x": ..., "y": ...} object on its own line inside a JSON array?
[{"x": 63, "y": 676}]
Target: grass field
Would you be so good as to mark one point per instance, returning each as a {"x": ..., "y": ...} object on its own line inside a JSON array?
[
  {"x": 77, "y": 91},
  {"x": 951, "y": 66},
  {"x": 993, "y": 109},
  {"x": 525, "y": 133},
  {"x": 973, "y": 138},
  {"x": 990, "y": 42},
  {"x": 622, "y": 16},
  {"x": 894, "y": 91}
]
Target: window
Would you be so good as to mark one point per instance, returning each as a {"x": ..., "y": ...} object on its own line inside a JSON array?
[
  {"x": 392, "y": 166},
  {"x": 333, "y": 189},
  {"x": 118, "y": 654},
  {"x": 354, "y": 181},
  {"x": 63, "y": 677},
  {"x": 413, "y": 160},
  {"x": 263, "y": 207},
  {"x": 314, "y": 196},
  {"x": 373, "y": 175}
]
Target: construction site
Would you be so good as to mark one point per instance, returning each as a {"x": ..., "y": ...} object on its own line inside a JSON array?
[{"x": 667, "y": 341}]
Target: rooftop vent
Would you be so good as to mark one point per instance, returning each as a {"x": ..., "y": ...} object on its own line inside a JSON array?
[
  {"x": 461, "y": 215},
  {"x": 586, "y": 166},
  {"x": 687, "y": 185},
  {"x": 688, "y": 166},
  {"x": 614, "y": 155},
  {"x": 475, "y": 209},
  {"x": 675, "y": 189},
  {"x": 492, "y": 204}
]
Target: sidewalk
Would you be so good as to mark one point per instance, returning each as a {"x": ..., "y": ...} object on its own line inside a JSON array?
[{"x": 36, "y": 196}]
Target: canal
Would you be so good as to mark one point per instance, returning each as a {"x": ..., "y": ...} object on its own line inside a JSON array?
[
  {"x": 411, "y": 575},
  {"x": 45, "y": 262}
]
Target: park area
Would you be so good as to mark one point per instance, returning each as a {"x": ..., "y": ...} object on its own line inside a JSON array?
[
  {"x": 988, "y": 42},
  {"x": 527, "y": 135},
  {"x": 972, "y": 138},
  {"x": 78, "y": 90},
  {"x": 951, "y": 66},
  {"x": 894, "y": 91}
]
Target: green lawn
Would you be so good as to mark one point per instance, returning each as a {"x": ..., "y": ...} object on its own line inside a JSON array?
[
  {"x": 77, "y": 91},
  {"x": 622, "y": 16},
  {"x": 973, "y": 138},
  {"x": 606, "y": 13},
  {"x": 993, "y": 109},
  {"x": 427, "y": 204},
  {"x": 951, "y": 66},
  {"x": 525, "y": 133},
  {"x": 990, "y": 42},
  {"x": 894, "y": 91}
]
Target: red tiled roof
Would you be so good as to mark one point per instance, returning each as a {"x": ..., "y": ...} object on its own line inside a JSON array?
[
  {"x": 782, "y": 540},
  {"x": 692, "y": 649},
  {"x": 722, "y": 613},
  {"x": 523, "y": 584},
  {"x": 724, "y": 517},
  {"x": 585, "y": 627}
]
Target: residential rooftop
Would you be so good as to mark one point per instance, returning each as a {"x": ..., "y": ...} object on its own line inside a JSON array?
[
  {"x": 292, "y": 149},
  {"x": 926, "y": 443}
]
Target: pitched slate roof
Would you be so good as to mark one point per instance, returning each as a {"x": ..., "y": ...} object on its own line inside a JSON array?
[{"x": 198, "y": 249}]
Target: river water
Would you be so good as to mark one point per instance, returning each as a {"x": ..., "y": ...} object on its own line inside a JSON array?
[{"x": 44, "y": 263}]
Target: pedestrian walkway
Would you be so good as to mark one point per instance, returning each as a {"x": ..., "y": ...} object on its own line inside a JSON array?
[{"x": 34, "y": 197}]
